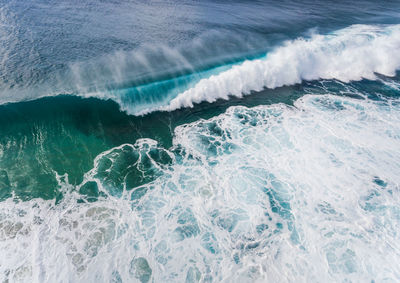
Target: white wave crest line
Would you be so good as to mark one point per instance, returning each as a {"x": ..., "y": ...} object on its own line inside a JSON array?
[{"x": 351, "y": 54}]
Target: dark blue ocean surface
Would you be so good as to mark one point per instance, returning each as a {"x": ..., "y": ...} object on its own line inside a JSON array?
[{"x": 199, "y": 141}]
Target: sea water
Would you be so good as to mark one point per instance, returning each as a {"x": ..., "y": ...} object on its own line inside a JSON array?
[{"x": 199, "y": 141}]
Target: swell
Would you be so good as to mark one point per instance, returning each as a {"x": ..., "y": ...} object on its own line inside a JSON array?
[{"x": 164, "y": 79}]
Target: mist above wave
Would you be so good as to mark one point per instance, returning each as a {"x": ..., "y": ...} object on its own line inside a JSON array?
[{"x": 114, "y": 71}]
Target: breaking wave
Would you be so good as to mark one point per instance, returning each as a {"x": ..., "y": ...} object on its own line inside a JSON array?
[{"x": 351, "y": 54}]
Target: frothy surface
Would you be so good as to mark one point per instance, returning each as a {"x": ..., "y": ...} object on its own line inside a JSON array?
[{"x": 275, "y": 193}]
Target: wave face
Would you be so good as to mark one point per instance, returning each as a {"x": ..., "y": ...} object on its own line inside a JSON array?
[
  {"x": 350, "y": 54},
  {"x": 271, "y": 193}
]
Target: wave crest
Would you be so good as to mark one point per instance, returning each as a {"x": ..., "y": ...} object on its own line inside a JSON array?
[{"x": 351, "y": 54}]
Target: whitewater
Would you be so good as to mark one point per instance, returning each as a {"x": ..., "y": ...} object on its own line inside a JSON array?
[{"x": 307, "y": 192}]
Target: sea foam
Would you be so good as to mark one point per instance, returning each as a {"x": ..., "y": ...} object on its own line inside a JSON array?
[{"x": 308, "y": 192}]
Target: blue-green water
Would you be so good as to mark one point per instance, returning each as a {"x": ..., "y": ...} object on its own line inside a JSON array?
[{"x": 199, "y": 141}]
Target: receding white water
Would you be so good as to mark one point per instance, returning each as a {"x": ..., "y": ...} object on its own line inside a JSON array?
[{"x": 272, "y": 193}]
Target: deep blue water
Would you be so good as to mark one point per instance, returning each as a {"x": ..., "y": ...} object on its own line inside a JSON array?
[{"x": 199, "y": 141}]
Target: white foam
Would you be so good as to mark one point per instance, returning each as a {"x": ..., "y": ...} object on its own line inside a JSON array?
[
  {"x": 271, "y": 193},
  {"x": 350, "y": 54}
]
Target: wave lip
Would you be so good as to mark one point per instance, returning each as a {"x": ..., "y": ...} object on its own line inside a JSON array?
[{"x": 350, "y": 54}]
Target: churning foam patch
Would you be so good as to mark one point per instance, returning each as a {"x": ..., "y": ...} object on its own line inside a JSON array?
[
  {"x": 350, "y": 54},
  {"x": 270, "y": 193}
]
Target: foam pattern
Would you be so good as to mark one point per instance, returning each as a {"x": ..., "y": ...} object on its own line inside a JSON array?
[{"x": 308, "y": 192}]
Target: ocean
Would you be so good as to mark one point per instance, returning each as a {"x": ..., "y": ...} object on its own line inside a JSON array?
[{"x": 199, "y": 141}]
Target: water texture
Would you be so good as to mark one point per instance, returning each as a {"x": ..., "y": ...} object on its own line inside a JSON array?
[{"x": 208, "y": 141}]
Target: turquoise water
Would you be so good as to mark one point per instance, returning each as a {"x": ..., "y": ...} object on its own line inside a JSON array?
[{"x": 199, "y": 141}]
